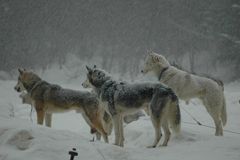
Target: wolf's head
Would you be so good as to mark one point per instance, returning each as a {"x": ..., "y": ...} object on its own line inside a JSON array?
[
  {"x": 95, "y": 77},
  {"x": 87, "y": 84},
  {"x": 154, "y": 61},
  {"x": 26, "y": 79}
]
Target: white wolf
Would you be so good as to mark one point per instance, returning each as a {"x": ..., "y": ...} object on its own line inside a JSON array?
[{"x": 188, "y": 86}]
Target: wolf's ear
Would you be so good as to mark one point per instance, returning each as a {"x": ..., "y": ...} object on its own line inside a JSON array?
[
  {"x": 155, "y": 58},
  {"x": 94, "y": 66},
  {"x": 20, "y": 70},
  {"x": 149, "y": 51},
  {"x": 160, "y": 60},
  {"x": 89, "y": 69}
]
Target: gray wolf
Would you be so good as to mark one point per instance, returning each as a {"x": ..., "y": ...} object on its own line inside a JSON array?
[
  {"x": 120, "y": 99},
  {"x": 50, "y": 98},
  {"x": 127, "y": 118},
  {"x": 188, "y": 86}
]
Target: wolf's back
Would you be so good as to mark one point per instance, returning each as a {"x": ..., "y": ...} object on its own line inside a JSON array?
[{"x": 70, "y": 97}]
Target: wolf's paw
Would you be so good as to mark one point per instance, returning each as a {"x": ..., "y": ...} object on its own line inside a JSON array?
[
  {"x": 92, "y": 140},
  {"x": 119, "y": 145},
  {"x": 164, "y": 145},
  {"x": 151, "y": 146},
  {"x": 219, "y": 134}
]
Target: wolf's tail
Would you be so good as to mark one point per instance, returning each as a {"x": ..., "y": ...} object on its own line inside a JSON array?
[
  {"x": 174, "y": 113},
  {"x": 224, "y": 112},
  {"x": 166, "y": 99}
]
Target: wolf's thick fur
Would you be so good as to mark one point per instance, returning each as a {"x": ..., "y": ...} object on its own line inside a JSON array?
[
  {"x": 120, "y": 99},
  {"x": 49, "y": 98},
  {"x": 127, "y": 118},
  {"x": 188, "y": 86},
  {"x": 26, "y": 98}
]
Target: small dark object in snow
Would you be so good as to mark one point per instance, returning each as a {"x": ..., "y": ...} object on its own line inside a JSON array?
[
  {"x": 73, "y": 154},
  {"x": 93, "y": 130}
]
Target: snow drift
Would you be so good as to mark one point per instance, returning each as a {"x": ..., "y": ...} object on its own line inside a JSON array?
[{"x": 21, "y": 139}]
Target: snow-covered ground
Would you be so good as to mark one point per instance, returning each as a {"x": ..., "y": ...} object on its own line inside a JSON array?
[{"x": 22, "y": 139}]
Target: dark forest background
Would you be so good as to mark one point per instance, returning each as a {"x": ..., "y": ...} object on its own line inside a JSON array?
[{"x": 202, "y": 36}]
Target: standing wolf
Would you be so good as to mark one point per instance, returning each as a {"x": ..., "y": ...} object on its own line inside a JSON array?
[
  {"x": 128, "y": 118},
  {"x": 120, "y": 99},
  {"x": 49, "y": 98},
  {"x": 188, "y": 86}
]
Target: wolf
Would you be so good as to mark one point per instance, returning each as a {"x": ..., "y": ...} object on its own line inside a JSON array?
[
  {"x": 128, "y": 118},
  {"x": 51, "y": 98},
  {"x": 26, "y": 99},
  {"x": 120, "y": 99},
  {"x": 188, "y": 86}
]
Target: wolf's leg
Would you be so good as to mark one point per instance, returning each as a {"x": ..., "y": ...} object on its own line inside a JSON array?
[
  {"x": 105, "y": 137},
  {"x": 146, "y": 109},
  {"x": 107, "y": 122},
  {"x": 40, "y": 112},
  {"x": 116, "y": 126},
  {"x": 218, "y": 123},
  {"x": 109, "y": 127},
  {"x": 167, "y": 132},
  {"x": 157, "y": 127},
  {"x": 93, "y": 129},
  {"x": 40, "y": 116},
  {"x": 48, "y": 119},
  {"x": 101, "y": 132},
  {"x": 121, "y": 136},
  {"x": 98, "y": 135},
  {"x": 100, "y": 129},
  {"x": 215, "y": 114}
]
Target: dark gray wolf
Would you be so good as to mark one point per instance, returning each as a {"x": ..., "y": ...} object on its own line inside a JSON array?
[
  {"x": 120, "y": 99},
  {"x": 128, "y": 118},
  {"x": 188, "y": 86},
  {"x": 50, "y": 98}
]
